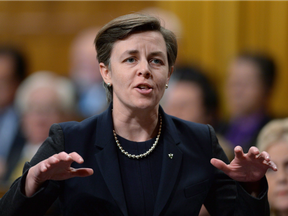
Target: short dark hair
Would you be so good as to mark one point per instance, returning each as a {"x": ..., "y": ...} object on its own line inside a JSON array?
[
  {"x": 124, "y": 26},
  {"x": 19, "y": 61},
  {"x": 264, "y": 63},
  {"x": 196, "y": 75}
]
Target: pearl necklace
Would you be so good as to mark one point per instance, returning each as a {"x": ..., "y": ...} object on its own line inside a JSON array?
[{"x": 141, "y": 155}]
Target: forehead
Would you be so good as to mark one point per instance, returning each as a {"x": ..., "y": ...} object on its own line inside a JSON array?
[
  {"x": 278, "y": 150},
  {"x": 244, "y": 68},
  {"x": 151, "y": 41}
]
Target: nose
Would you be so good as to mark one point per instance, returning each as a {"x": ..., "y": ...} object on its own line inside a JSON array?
[{"x": 144, "y": 70}]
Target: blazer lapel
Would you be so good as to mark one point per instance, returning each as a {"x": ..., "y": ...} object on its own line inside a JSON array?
[
  {"x": 109, "y": 165},
  {"x": 171, "y": 163},
  {"x": 108, "y": 160}
]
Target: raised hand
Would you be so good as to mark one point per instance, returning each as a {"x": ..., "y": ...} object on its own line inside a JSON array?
[
  {"x": 56, "y": 167},
  {"x": 250, "y": 167}
]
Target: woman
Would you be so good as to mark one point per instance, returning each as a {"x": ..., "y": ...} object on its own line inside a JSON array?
[
  {"x": 273, "y": 138},
  {"x": 142, "y": 161}
]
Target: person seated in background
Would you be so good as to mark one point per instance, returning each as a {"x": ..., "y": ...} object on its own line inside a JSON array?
[
  {"x": 273, "y": 139},
  {"x": 85, "y": 75},
  {"x": 42, "y": 99},
  {"x": 249, "y": 86},
  {"x": 193, "y": 97},
  {"x": 12, "y": 72}
]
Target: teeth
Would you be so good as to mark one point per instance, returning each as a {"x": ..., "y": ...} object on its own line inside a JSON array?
[{"x": 143, "y": 87}]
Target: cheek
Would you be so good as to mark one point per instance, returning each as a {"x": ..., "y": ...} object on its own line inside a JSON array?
[{"x": 162, "y": 81}]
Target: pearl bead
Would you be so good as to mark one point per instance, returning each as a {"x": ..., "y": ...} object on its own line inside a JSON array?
[{"x": 144, "y": 154}]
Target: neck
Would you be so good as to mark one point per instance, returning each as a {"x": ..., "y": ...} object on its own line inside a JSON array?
[{"x": 135, "y": 125}]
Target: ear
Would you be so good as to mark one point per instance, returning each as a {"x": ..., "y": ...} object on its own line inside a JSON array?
[{"x": 105, "y": 73}]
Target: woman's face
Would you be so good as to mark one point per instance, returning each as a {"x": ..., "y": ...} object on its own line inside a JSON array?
[
  {"x": 185, "y": 101},
  {"x": 278, "y": 181},
  {"x": 245, "y": 90},
  {"x": 139, "y": 70},
  {"x": 43, "y": 111}
]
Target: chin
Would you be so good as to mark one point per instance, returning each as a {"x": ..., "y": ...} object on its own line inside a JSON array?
[{"x": 145, "y": 105}]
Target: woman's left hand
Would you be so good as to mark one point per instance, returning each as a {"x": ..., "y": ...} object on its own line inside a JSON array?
[{"x": 250, "y": 167}]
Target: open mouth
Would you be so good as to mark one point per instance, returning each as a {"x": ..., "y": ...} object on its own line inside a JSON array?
[{"x": 144, "y": 87}]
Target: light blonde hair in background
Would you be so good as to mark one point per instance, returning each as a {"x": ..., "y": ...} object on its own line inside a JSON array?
[
  {"x": 62, "y": 86},
  {"x": 275, "y": 130}
]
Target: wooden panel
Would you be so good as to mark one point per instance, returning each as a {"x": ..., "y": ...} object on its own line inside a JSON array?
[
  {"x": 215, "y": 31},
  {"x": 277, "y": 32},
  {"x": 45, "y": 29}
]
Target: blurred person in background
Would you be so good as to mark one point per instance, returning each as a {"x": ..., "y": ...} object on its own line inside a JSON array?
[
  {"x": 84, "y": 72},
  {"x": 42, "y": 99},
  {"x": 12, "y": 72},
  {"x": 193, "y": 97},
  {"x": 249, "y": 86},
  {"x": 273, "y": 139}
]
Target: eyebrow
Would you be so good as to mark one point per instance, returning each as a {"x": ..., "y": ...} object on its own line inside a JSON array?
[
  {"x": 159, "y": 53},
  {"x": 131, "y": 52}
]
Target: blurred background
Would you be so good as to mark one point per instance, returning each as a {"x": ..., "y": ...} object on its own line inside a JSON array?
[
  {"x": 55, "y": 39},
  {"x": 212, "y": 33}
]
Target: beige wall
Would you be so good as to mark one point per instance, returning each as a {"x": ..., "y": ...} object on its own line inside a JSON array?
[{"x": 212, "y": 33}]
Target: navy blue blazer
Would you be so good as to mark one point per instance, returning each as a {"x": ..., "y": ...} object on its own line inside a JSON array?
[{"x": 187, "y": 181}]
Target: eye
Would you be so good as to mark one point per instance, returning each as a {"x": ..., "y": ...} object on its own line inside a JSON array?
[
  {"x": 157, "y": 61},
  {"x": 130, "y": 60}
]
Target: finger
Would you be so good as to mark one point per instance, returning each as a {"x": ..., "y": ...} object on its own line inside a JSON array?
[
  {"x": 219, "y": 165},
  {"x": 264, "y": 156},
  {"x": 238, "y": 151},
  {"x": 272, "y": 165},
  {"x": 253, "y": 152},
  {"x": 43, "y": 167},
  {"x": 76, "y": 157},
  {"x": 64, "y": 156},
  {"x": 81, "y": 172},
  {"x": 52, "y": 160}
]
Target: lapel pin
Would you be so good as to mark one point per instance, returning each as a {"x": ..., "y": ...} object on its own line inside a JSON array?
[{"x": 170, "y": 155}]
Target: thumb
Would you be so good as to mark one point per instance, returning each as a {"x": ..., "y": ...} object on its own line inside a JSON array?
[
  {"x": 219, "y": 164},
  {"x": 81, "y": 172}
]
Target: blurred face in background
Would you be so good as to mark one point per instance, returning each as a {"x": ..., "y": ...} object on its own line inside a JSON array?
[
  {"x": 245, "y": 89},
  {"x": 8, "y": 81},
  {"x": 84, "y": 67},
  {"x": 278, "y": 181},
  {"x": 42, "y": 111},
  {"x": 185, "y": 101}
]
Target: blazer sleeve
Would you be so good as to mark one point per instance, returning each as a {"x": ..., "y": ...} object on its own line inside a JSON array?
[
  {"x": 232, "y": 198},
  {"x": 14, "y": 202}
]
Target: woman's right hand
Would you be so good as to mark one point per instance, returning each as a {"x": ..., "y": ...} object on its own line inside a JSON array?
[{"x": 56, "y": 167}]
